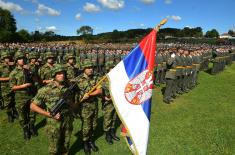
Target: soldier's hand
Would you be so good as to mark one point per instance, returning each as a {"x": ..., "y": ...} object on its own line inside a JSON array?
[
  {"x": 107, "y": 98},
  {"x": 57, "y": 117},
  {"x": 86, "y": 96},
  {"x": 28, "y": 85},
  {"x": 26, "y": 67}
]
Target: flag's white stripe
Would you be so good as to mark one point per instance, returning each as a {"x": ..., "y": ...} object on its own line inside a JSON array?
[{"x": 133, "y": 115}]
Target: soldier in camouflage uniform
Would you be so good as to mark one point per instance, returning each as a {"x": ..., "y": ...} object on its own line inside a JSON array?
[
  {"x": 59, "y": 128},
  {"x": 70, "y": 68},
  {"x": 7, "y": 94},
  {"x": 88, "y": 104},
  {"x": 33, "y": 66},
  {"x": 45, "y": 70},
  {"x": 21, "y": 83},
  {"x": 110, "y": 115}
]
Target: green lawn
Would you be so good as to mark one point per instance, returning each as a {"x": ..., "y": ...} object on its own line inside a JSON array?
[{"x": 200, "y": 122}]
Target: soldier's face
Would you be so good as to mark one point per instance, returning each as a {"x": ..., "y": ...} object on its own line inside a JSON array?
[
  {"x": 60, "y": 77},
  {"x": 7, "y": 60},
  {"x": 50, "y": 60},
  {"x": 88, "y": 71},
  {"x": 20, "y": 62},
  {"x": 71, "y": 61},
  {"x": 33, "y": 60}
]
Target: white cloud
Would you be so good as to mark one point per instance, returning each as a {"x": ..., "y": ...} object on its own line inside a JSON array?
[
  {"x": 148, "y": 1},
  {"x": 142, "y": 25},
  {"x": 168, "y": 1},
  {"x": 89, "y": 7},
  {"x": 32, "y": 1},
  {"x": 11, "y": 6},
  {"x": 78, "y": 16},
  {"x": 112, "y": 4},
  {"x": 45, "y": 10},
  {"x": 51, "y": 28},
  {"x": 175, "y": 18}
]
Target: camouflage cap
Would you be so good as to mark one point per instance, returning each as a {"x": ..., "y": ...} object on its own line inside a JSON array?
[
  {"x": 5, "y": 54},
  {"x": 49, "y": 55},
  {"x": 56, "y": 69},
  {"x": 69, "y": 56},
  {"x": 87, "y": 63},
  {"x": 32, "y": 55},
  {"x": 19, "y": 55}
]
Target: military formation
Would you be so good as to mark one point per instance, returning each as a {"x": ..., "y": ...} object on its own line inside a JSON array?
[
  {"x": 178, "y": 67},
  {"x": 34, "y": 77}
]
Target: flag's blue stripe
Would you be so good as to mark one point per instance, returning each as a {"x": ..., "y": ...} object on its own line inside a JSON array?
[
  {"x": 129, "y": 140},
  {"x": 135, "y": 63},
  {"x": 147, "y": 107}
]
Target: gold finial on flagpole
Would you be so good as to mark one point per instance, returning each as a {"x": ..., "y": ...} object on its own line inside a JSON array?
[{"x": 160, "y": 24}]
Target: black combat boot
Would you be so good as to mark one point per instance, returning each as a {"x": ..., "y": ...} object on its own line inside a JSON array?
[
  {"x": 15, "y": 113},
  {"x": 32, "y": 130},
  {"x": 93, "y": 146},
  {"x": 26, "y": 133},
  {"x": 112, "y": 132},
  {"x": 108, "y": 138},
  {"x": 10, "y": 117},
  {"x": 87, "y": 148}
]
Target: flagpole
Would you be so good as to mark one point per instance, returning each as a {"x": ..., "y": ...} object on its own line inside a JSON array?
[{"x": 161, "y": 24}]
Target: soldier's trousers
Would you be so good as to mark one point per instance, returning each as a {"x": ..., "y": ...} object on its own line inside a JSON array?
[
  {"x": 169, "y": 89},
  {"x": 59, "y": 134},
  {"x": 8, "y": 101},
  {"x": 110, "y": 116},
  {"x": 23, "y": 109},
  {"x": 89, "y": 115}
]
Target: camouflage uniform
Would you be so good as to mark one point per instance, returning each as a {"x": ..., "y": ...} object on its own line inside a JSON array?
[
  {"x": 23, "y": 96},
  {"x": 88, "y": 109},
  {"x": 46, "y": 70},
  {"x": 7, "y": 94},
  {"x": 71, "y": 71},
  {"x": 110, "y": 115},
  {"x": 58, "y": 132}
]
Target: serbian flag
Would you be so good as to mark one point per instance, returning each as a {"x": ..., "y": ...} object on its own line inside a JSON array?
[{"x": 131, "y": 84}]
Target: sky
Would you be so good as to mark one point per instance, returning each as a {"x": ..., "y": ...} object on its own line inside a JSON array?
[{"x": 64, "y": 17}]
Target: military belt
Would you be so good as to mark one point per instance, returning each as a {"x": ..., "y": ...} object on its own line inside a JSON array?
[
  {"x": 173, "y": 70},
  {"x": 179, "y": 67}
]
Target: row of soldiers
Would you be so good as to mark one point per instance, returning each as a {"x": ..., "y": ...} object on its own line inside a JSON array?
[
  {"x": 38, "y": 87},
  {"x": 179, "y": 67}
]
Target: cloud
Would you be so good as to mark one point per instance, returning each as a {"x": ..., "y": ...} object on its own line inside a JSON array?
[
  {"x": 45, "y": 10},
  {"x": 168, "y": 1},
  {"x": 51, "y": 28},
  {"x": 78, "y": 16},
  {"x": 175, "y": 18},
  {"x": 89, "y": 7},
  {"x": 32, "y": 1},
  {"x": 142, "y": 25},
  {"x": 11, "y": 6},
  {"x": 148, "y": 1},
  {"x": 112, "y": 4}
]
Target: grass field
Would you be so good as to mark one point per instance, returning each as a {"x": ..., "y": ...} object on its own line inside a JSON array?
[{"x": 201, "y": 122}]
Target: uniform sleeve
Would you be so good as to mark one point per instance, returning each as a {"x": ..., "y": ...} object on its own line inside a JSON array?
[
  {"x": 40, "y": 97},
  {"x": 13, "y": 80}
]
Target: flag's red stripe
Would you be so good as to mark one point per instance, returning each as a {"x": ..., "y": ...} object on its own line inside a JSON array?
[{"x": 148, "y": 47}]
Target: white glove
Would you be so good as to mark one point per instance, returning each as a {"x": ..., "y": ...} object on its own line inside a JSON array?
[{"x": 173, "y": 55}]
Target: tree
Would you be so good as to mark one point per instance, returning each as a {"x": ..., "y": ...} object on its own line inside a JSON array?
[
  {"x": 7, "y": 21},
  {"x": 85, "y": 30},
  {"x": 231, "y": 32},
  {"x": 24, "y": 35},
  {"x": 212, "y": 34}
]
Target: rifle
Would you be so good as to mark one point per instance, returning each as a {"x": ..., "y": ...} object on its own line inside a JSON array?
[{"x": 62, "y": 101}]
